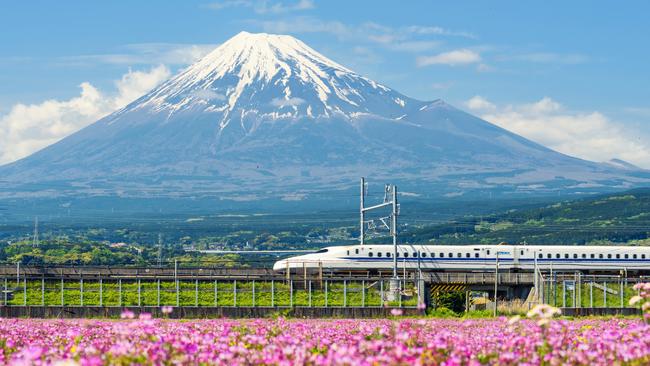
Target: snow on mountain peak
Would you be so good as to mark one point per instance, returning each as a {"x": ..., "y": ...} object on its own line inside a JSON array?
[{"x": 275, "y": 76}]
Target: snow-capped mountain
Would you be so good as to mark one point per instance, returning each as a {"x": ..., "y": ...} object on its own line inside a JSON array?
[
  {"x": 271, "y": 76},
  {"x": 266, "y": 115}
]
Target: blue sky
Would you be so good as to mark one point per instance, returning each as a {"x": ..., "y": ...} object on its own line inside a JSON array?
[{"x": 554, "y": 71}]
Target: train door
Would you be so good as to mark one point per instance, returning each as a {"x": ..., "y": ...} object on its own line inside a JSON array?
[{"x": 515, "y": 257}]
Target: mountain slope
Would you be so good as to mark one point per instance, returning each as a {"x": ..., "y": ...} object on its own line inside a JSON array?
[{"x": 265, "y": 115}]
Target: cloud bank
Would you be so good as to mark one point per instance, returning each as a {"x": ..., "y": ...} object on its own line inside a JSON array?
[
  {"x": 28, "y": 128},
  {"x": 451, "y": 58},
  {"x": 588, "y": 135}
]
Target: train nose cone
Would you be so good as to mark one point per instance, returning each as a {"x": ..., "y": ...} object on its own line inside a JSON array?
[{"x": 280, "y": 265}]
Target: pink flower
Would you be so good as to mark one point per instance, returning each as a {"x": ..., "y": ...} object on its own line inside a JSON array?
[
  {"x": 396, "y": 312},
  {"x": 127, "y": 314}
]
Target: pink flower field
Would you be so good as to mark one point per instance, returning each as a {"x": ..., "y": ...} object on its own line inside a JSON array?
[{"x": 324, "y": 342}]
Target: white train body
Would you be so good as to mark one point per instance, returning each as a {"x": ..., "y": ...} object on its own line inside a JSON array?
[{"x": 374, "y": 257}]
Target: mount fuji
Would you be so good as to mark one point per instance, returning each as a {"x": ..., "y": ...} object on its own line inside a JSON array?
[{"x": 266, "y": 116}]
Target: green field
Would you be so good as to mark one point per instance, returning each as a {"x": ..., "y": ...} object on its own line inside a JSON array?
[{"x": 203, "y": 293}]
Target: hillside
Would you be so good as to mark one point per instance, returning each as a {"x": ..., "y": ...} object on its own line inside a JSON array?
[{"x": 620, "y": 218}]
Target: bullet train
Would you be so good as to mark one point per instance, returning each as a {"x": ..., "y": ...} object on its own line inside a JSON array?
[{"x": 379, "y": 257}]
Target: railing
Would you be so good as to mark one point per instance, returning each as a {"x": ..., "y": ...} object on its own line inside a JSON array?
[
  {"x": 262, "y": 292},
  {"x": 577, "y": 290}
]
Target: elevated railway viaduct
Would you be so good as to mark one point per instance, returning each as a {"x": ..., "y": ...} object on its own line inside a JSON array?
[{"x": 77, "y": 291}]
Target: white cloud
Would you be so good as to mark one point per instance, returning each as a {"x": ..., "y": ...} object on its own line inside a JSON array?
[
  {"x": 452, "y": 58},
  {"x": 306, "y": 25},
  {"x": 478, "y": 103},
  {"x": 219, "y": 5},
  {"x": 414, "y": 46},
  {"x": 208, "y": 94},
  {"x": 28, "y": 128},
  {"x": 263, "y": 6},
  {"x": 395, "y": 38},
  {"x": 439, "y": 31},
  {"x": 147, "y": 54},
  {"x": 588, "y": 135},
  {"x": 484, "y": 68},
  {"x": 291, "y": 102},
  {"x": 134, "y": 84}
]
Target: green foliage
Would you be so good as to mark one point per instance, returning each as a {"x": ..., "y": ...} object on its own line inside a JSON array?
[
  {"x": 450, "y": 300},
  {"x": 606, "y": 219},
  {"x": 478, "y": 314},
  {"x": 442, "y": 312},
  {"x": 63, "y": 251}
]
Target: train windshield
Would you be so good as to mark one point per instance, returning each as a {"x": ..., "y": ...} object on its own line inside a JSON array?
[{"x": 321, "y": 251}]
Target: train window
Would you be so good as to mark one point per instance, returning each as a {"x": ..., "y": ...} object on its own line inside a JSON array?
[
  {"x": 633, "y": 256},
  {"x": 424, "y": 255},
  {"x": 584, "y": 256},
  {"x": 540, "y": 255},
  {"x": 566, "y": 255},
  {"x": 575, "y": 256},
  {"x": 592, "y": 255},
  {"x": 522, "y": 252},
  {"x": 378, "y": 254},
  {"x": 459, "y": 255},
  {"x": 488, "y": 252},
  {"x": 415, "y": 254},
  {"x": 369, "y": 254},
  {"x": 549, "y": 256},
  {"x": 600, "y": 255},
  {"x": 475, "y": 255},
  {"x": 609, "y": 255},
  {"x": 348, "y": 252},
  {"x": 397, "y": 254},
  {"x": 356, "y": 251},
  {"x": 467, "y": 255},
  {"x": 557, "y": 255},
  {"x": 451, "y": 255},
  {"x": 442, "y": 255},
  {"x": 627, "y": 256},
  {"x": 642, "y": 256},
  {"x": 406, "y": 254},
  {"x": 618, "y": 256}
]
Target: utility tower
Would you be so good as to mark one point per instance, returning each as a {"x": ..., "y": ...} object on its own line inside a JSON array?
[
  {"x": 390, "y": 199},
  {"x": 159, "y": 250},
  {"x": 35, "y": 241}
]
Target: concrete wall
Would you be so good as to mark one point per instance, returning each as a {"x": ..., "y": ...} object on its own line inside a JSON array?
[{"x": 189, "y": 312}]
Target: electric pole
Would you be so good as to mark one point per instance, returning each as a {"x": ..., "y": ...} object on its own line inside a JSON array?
[
  {"x": 496, "y": 283},
  {"x": 394, "y": 230},
  {"x": 159, "y": 250},
  {"x": 362, "y": 228},
  {"x": 35, "y": 240},
  {"x": 390, "y": 199}
]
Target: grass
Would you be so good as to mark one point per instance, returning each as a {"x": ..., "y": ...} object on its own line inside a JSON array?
[
  {"x": 202, "y": 293},
  {"x": 594, "y": 294}
]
